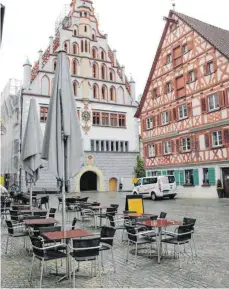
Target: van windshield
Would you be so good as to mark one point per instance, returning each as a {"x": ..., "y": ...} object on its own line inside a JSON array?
[{"x": 171, "y": 179}]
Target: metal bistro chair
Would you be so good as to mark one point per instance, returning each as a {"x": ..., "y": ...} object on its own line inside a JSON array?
[
  {"x": 13, "y": 232},
  {"x": 181, "y": 236},
  {"x": 44, "y": 254},
  {"x": 117, "y": 223},
  {"x": 88, "y": 216},
  {"x": 138, "y": 238},
  {"x": 85, "y": 249},
  {"x": 52, "y": 212},
  {"x": 192, "y": 221},
  {"x": 60, "y": 200},
  {"x": 107, "y": 240}
]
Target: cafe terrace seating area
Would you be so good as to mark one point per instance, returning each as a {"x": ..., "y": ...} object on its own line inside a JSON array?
[{"x": 81, "y": 247}]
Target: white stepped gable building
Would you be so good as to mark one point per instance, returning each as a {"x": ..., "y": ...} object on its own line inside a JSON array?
[{"x": 105, "y": 100}]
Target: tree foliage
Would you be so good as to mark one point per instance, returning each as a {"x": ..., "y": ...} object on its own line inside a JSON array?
[{"x": 139, "y": 170}]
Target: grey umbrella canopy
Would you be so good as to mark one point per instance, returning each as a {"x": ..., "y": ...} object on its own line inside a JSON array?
[
  {"x": 32, "y": 146},
  {"x": 62, "y": 144}
]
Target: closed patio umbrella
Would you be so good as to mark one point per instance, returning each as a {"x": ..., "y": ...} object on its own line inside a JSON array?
[
  {"x": 32, "y": 146},
  {"x": 62, "y": 144}
]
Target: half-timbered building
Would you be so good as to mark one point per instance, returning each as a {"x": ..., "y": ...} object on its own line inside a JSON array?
[{"x": 184, "y": 111}]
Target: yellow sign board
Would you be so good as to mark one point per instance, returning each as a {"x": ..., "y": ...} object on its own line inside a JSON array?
[
  {"x": 134, "y": 180},
  {"x": 134, "y": 203},
  {"x": 2, "y": 181}
]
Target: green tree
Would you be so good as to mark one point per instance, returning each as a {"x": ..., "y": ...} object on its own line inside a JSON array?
[{"x": 139, "y": 170}]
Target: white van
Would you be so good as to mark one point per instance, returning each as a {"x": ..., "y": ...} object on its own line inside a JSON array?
[{"x": 156, "y": 187}]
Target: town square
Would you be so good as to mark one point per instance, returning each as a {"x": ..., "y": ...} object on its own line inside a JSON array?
[{"x": 114, "y": 144}]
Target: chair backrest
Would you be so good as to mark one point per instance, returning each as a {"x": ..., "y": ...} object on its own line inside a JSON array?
[
  {"x": 52, "y": 212},
  {"x": 37, "y": 242},
  {"x": 131, "y": 233},
  {"x": 41, "y": 214},
  {"x": 8, "y": 203},
  {"x": 152, "y": 218},
  {"x": 111, "y": 211},
  {"x": 111, "y": 219},
  {"x": 185, "y": 231},
  {"x": 162, "y": 215},
  {"x": 187, "y": 221},
  {"x": 43, "y": 201},
  {"x": 115, "y": 206},
  {"x": 107, "y": 233},
  {"x": 83, "y": 199},
  {"x": 74, "y": 223},
  {"x": 10, "y": 227},
  {"x": 86, "y": 247},
  {"x": 60, "y": 200},
  {"x": 129, "y": 212},
  {"x": 14, "y": 215}
]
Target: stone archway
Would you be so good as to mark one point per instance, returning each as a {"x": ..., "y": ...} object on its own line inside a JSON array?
[
  {"x": 97, "y": 171},
  {"x": 88, "y": 181}
]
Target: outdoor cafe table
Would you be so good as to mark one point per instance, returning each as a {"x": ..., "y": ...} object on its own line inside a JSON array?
[
  {"x": 159, "y": 224},
  {"x": 100, "y": 208},
  {"x": 34, "y": 222},
  {"x": 32, "y": 211},
  {"x": 66, "y": 235}
]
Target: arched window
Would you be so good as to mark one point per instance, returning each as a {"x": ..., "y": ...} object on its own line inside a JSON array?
[
  {"x": 45, "y": 85},
  {"x": 103, "y": 72},
  {"x": 85, "y": 28},
  {"x": 74, "y": 67},
  {"x": 120, "y": 96},
  {"x": 75, "y": 30},
  {"x": 75, "y": 48},
  {"x": 94, "y": 52},
  {"x": 104, "y": 92},
  {"x": 93, "y": 37},
  {"x": 95, "y": 91},
  {"x": 102, "y": 55},
  {"x": 66, "y": 47},
  {"x": 95, "y": 70},
  {"x": 81, "y": 45},
  {"x": 75, "y": 86},
  {"x": 112, "y": 93},
  {"x": 86, "y": 46},
  {"x": 54, "y": 65}
]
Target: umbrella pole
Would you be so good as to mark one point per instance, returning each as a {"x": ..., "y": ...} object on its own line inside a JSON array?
[
  {"x": 63, "y": 187},
  {"x": 31, "y": 195}
]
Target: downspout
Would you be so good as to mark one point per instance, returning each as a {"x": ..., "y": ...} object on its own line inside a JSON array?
[{"x": 20, "y": 170}]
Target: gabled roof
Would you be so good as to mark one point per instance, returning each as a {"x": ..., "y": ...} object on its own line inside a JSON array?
[{"x": 216, "y": 36}]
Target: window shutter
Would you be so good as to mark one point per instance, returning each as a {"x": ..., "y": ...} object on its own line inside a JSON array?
[
  {"x": 170, "y": 115},
  {"x": 211, "y": 176},
  {"x": 159, "y": 119},
  {"x": 176, "y": 175},
  {"x": 190, "y": 45},
  {"x": 165, "y": 88},
  {"x": 154, "y": 120},
  {"x": 226, "y": 93},
  {"x": 205, "y": 66},
  {"x": 196, "y": 177},
  {"x": 207, "y": 137},
  {"x": 196, "y": 73},
  {"x": 226, "y": 136},
  {"x": 173, "y": 84},
  {"x": 156, "y": 150},
  {"x": 173, "y": 146},
  {"x": 221, "y": 98},
  {"x": 144, "y": 124},
  {"x": 181, "y": 178},
  {"x": 159, "y": 148},
  {"x": 215, "y": 65},
  {"x": 164, "y": 60},
  {"x": 178, "y": 145},
  {"x": 175, "y": 113},
  {"x": 194, "y": 143},
  {"x": 203, "y": 105},
  {"x": 146, "y": 151},
  {"x": 189, "y": 109},
  {"x": 164, "y": 173},
  {"x": 187, "y": 78}
]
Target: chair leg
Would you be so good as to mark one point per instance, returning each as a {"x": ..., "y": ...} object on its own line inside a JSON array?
[
  {"x": 99, "y": 271},
  {"x": 191, "y": 249},
  {"x": 102, "y": 260},
  {"x": 31, "y": 271},
  {"x": 56, "y": 268},
  {"x": 136, "y": 252},
  {"x": 74, "y": 272},
  {"x": 127, "y": 256},
  {"x": 42, "y": 267},
  {"x": 194, "y": 244},
  {"x": 7, "y": 242},
  {"x": 91, "y": 269},
  {"x": 179, "y": 255},
  {"x": 112, "y": 253}
]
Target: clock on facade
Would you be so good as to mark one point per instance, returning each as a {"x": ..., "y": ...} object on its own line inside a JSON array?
[{"x": 86, "y": 115}]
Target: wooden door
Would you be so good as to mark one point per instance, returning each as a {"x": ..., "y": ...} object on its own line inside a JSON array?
[
  {"x": 226, "y": 182},
  {"x": 113, "y": 185}
]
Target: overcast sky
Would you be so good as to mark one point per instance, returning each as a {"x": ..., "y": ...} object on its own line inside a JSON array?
[{"x": 134, "y": 28}]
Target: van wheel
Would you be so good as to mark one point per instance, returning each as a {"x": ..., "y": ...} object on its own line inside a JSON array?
[
  {"x": 172, "y": 197},
  {"x": 153, "y": 197},
  {"x": 134, "y": 193}
]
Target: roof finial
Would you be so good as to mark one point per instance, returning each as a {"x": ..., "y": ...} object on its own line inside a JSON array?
[{"x": 174, "y": 6}]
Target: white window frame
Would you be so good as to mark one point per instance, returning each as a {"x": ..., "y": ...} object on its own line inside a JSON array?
[
  {"x": 149, "y": 123},
  {"x": 168, "y": 86},
  {"x": 217, "y": 136},
  {"x": 167, "y": 147},
  {"x": 186, "y": 144},
  {"x": 183, "y": 111},
  {"x": 165, "y": 117},
  {"x": 210, "y": 67},
  {"x": 151, "y": 150},
  {"x": 191, "y": 75},
  {"x": 215, "y": 102},
  {"x": 185, "y": 48},
  {"x": 169, "y": 58}
]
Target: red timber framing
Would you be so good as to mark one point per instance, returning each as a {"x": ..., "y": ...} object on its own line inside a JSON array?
[{"x": 185, "y": 105}]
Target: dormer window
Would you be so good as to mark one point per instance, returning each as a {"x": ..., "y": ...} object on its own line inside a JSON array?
[{"x": 169, "y": 58}]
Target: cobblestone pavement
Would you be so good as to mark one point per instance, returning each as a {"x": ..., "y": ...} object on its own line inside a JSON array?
[{"x": 209, "y": 269}]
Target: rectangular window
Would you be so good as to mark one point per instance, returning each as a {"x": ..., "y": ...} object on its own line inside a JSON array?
[
  {"x": 122, "y": 120},
  {"x": 164, "y": 117},
  {"x": 191, "y": 75},
  {"x": 217, "y": 138},
  {"x": 169, "y": 58},
  {"x": 168, "y": 87},
  {"x": 43, "y": 113},
  {"x": 105, "y": 119},
  {"x": 149, "y": 123},
  {"x": 102, "y": 146},
  {"x": 210, "y": 67},
  {"x": 186, "y": 144},
  {"x": 92, "y": 145},
  {"x": 213, "y": 102},
  {"x": 114, "y": 119},
  {"x": 185, "y": 48},
  {"x": 107, "y": 146},
  {"x": 117, "y": 147},
  {"x": 189, "y": 180},
  {"x": 205, "y": 176},
  {"x": 126, "y": 146},
  {"x": 183, "y": 111},
  {"x": 155, "y": 94},
  {"x": 97, "y": 146},
  {"x": 112, "y": 146},
  {"x": 167, "y": 147},
  {"x": 170, "y": 173},
  {"x": 151, "y": 150},
  {"x": 121, "y": 146},
  {"x": 96, "y": 118}
]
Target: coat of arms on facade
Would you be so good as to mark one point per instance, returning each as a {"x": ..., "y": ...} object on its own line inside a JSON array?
[{"x": 86, "y": 117}]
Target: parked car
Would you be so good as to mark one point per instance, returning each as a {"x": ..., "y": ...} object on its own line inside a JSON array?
[{"x": 156, "y": 187}]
